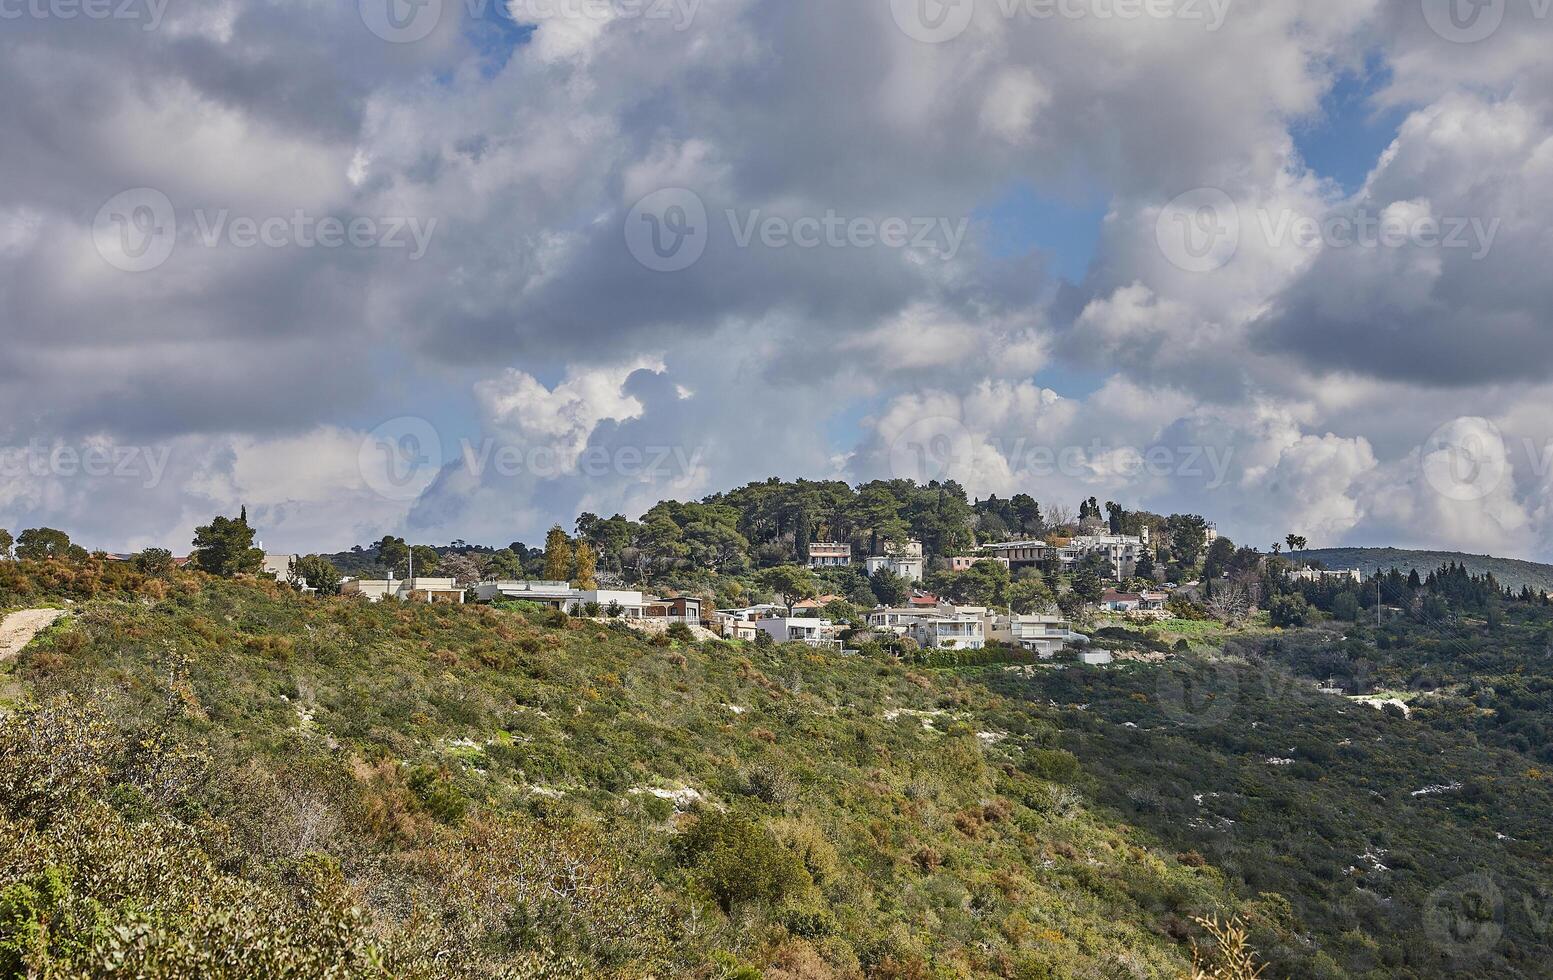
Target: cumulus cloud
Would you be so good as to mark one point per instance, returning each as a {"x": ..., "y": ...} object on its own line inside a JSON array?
[{"x": 1307, "y": 376}]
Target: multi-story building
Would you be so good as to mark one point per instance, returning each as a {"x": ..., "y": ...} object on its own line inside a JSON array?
[
  {"x": 829, "y": 554},
  {"x": 946, "y": 626},
  {"x": 1046, "y": 636},
  {"x": 1322, "y": 574},
  {"x": 903, "y": 560},
  {"x": 1121, "y": 550},
  {"x": 949, "y": 632},
  {"x": 1022, "y": 554}
]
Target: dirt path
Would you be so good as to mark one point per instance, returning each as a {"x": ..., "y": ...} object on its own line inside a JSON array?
[{"x": 20, "y": 627}]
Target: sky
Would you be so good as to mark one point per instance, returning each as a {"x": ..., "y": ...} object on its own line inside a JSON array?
[{"x": 463, "y": 269}]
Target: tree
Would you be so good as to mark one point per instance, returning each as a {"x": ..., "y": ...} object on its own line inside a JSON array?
[
  {"x": 392, "y": 553},
  {"x": 791, "y": 583},
  {"x": 1188, "y": 536},
  {"x": 42, "y": 543},
  {"x": 1145, "y": 565},
  {"x": 504, "y": 566},
  {"x": 712, "y": 539},
  {"x": 890, "y": 589},
  {"x": 225, "y": 547},
  {"x": 427, "y": 560},
  {"x": 1289, "y": 611},
  {"x": 1027, "y": 512},
  {"x": 587, "y": 566},
  {"x": 1087, "y": 583},
  {"x": 1220, "y": 560},
  {"x": 985, "y": 583},
  {"x": 465, "y": 569},
  {"x": 1029, "y": 594},
  {"x": 558, "y": 556},
  {"x": 318, "y": 572},
  {"x": 1230, "y": 602},
  {"x": 1345, "y": 606},
  {"x": 5, "y": 543},
  {"x": 1118, "y": 517},
  {"x": 1295, "y": 542},
  {"x": 155, "y": 562}
]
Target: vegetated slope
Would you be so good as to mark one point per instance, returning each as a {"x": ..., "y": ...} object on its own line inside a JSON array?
[
  {"x": 419, "y": 790},
  {"x": 1511, "y": 572},
  {"x": 1406, "y": 847}
]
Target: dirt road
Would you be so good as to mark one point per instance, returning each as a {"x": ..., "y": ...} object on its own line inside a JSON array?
[{"x": 20, "y": 627}]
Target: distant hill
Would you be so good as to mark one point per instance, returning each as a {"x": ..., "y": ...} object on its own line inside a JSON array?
[{"x": 1509, "y": 571}]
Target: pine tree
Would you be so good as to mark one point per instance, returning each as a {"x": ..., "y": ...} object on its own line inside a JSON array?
[{"x": 225, "y": 547}]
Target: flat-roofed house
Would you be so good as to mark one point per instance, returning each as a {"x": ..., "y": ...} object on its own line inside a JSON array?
[
  {"x": 829, "y": 554},
  {"x": 814, "y": 632},
  {"x": 556, "y": 595},
  {"x": 949, "y": 633},
  {"x": 963, "y": 563},
  {"x": 434, "y": 590},
  {"x": 903, "y": 560},
  {"x": 682, "y": 609},
  {"x": 1045, "y": 636}
]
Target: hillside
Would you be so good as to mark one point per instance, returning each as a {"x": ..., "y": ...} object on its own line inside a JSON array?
[
  {"x": 473, "y": 791},
  {"x": 443, "y": 791},
  {"x": 1510, "y": 572}
]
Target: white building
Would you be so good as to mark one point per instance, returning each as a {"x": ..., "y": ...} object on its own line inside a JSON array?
[
  {"x": 829, "y": 554},
  {"x": 1121, "y": 550},
  {"x": 949, "y": 632},
  {"x": 1322, "y": 574},
  {"x": 440, "y": 590},
  {"x": 1045, "y": 636},
  {"x": 900, "y": 619},
  {"x": 283, "y": 567},
  {"x": 815, "y": 632},
  {"x": 556, "y": 595},
  {"x": 964, "y": 563},
  {"x": 613, "y": 603},
  {"x": 1143, "y": 605},
  {"x": 905, "y": 561}
]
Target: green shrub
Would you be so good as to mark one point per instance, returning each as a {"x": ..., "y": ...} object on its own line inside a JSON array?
[
  {"x": 1053, "y": 765},
  {"x": 438, "y": 795},
  {"x": 738, "y": 861},
  {"x": 681, "y": 633}
]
